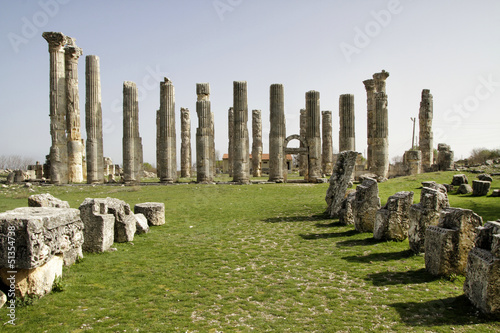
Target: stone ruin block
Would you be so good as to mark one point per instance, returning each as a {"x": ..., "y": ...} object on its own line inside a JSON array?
[
  {"x": 339, "y": 181},
  {"x": 424, "y": 214},
  {"x": 485, "y": 177},
  {"x": 480, "y": 187},
  {"x": 482, "y": 277},
  {"x": 464, "y": 189},
  {"x": 392, "y": 221},
  {"x": 445, "y": 157},
  {"x": 153, "y": 211},
  {"x": 142, "y": 226},
  {"x": 346, "y": 213},
  {"x": 495, "y": 193},
  {"x": 448, "y": 244},
  {"x": 40, "y": 234},
  {"x": 46, "y": 200},
  {"x": 459, "y": 180},
  {"x": 366, "y": 205},
  {"x": 125, "y": 220},
  {"x": 99, "y": 225}
]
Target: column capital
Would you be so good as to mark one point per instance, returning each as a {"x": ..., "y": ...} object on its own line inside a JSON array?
[
  {"x": 56, "y": 40},
  {"x": 369, "y": 85},
  {"x": 382, "y": 76},
  {"x": 73, "y": 52}
]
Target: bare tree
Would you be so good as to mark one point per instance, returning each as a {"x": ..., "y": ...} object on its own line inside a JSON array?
[{"x": 15, "y": 162}]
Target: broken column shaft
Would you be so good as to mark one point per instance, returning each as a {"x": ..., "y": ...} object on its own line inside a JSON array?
[
  {"x": 132, "y": 145},
  {"x": 425, "y": 134},
  {"x": 313, "y": 135},
  {"x": 256, "y": 143},
  {"x": 303, "y": 168},
  {"x": 167, "y": 142},
  {"x": 185, "y": 143},
  {"x": 241, "y": 163},
  {"x": 204, "y": 168},
  {"x": 327, "y": 146},
  {"x": 93, "y": 121},
  {"x": 346, "y": 119},
  {"x": 230, "y": 127},
  {"x": 277, "y": 134}
]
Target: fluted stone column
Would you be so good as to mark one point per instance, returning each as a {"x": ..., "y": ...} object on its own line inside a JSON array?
[
  {"x": 204, "y": 168},
  {"x": 426, "y": 143},
  {"x": 213, "y": 162},
  {"x": 381, "y": 140},
  {"x": 327, "y": 147},
  {"x": 132, "y": 143},
  {"x": 277, "y": 134},
  {"x": 256, "y": 143},
  {"x": 59, "y": 145},
  {"x": 158, "y": 148},
  {"x": 313, "y": 135},
  {"x": 75, "y": 147},
  {"x": 168, "y": 152},
  {"x": 370, "y": 123},
  {"x": 93, "y": 121},
  {"x": 347, "y": 139},
  {"x": 303, "y": 166},
  {"x": 230, "y": 134},
  {"x": 185, "y": 143},
  {"x": 241, "y": 163}
]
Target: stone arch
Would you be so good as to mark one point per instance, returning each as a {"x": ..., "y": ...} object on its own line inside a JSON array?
[{"x": 300, "y": 150}]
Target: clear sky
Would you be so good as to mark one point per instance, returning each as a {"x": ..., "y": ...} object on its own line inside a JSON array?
[{"x": 451, "y": 47}]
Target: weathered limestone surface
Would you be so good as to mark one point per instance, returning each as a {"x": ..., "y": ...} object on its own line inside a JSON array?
[
  {"x": 40, "y": 234},
  {"x": 204, "y": 138},
  {"x": 36, "y": 281},
  {"x": 125, "y": 220},
  {"x": 303, "y": 163},
  {"x": 482, "y": 278},
  {"x": 256, "y": 143},
  {"x": 459, "y": 180},
  {"x": 339, "y": 181},
  {"x": 346, "y": 212},
  {"x": 313, "y": 135},
  {"x": 58, "y": 148},
  {"x": 347, "y": 140},
  {"x": 185, "y": 143},
  {"x": 327, "y": 147},
  {"x": 46, "y": 200},
  {"x": 448, "y": 244},
  {"x": 154, "y": 212},
  {"x": 480, "y": 187},
  {"x": 366, "y": 205},
  {"x": 425, "y": 116},
  {"x": 75, "y": 146},
  {"x": 424, "y": 214},
  {"x": 93, "y": 120},
  {"x": 132, "y": 142},
  {"x": 445, "y": 157},
  {"x": 167, "y": 139},
  {"x": 241, "y": 165},
  {"x": 393, "y": 221},
  {"x": 3, "y": 299},
  {"x": 142, "y": 226},
  {"x": 370, "y": 102},
  {"x": 213, "y": 164},
  {"x": 412, "y": 159},
  {"x": 380, "y": 151},
  {"x": 277, "y": 134},
  {"x": 485, "y": 177},
  {"x": 230, "y": 135},
  {"x": 99, "y": 225}
]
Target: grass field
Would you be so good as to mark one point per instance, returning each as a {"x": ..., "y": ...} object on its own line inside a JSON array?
[{"x": 251, "y": 258}]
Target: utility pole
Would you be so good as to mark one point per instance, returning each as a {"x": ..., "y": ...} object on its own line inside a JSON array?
[{"x": 413, "y": 136}]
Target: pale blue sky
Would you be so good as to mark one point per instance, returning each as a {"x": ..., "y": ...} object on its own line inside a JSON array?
[{"x": 451, "y": 47}]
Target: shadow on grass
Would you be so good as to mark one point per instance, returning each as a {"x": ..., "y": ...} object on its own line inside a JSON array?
[
  {"x": 408, "y": 277},
  {"x": 449, "y": 311},
  {"x": 329, "y": 225},
  {"x": 386, "y": 256},
  {"x": 306, "y": 218},
  {"x": 359, "y": 242},
  {"x": 329, "y": 235}
]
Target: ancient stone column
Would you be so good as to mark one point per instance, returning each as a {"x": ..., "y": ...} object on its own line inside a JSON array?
[
  {"x": 313, "y": 135},
  {"x": 303, "y": 167},
  {"x": 213, "y": 162},
  {"x": 59, "y": 145},
  {"x": 132, "y": 145},
  {"x": 256, "y": 143},
  {"x": 204, "y": 168},
  {"x": 370, "y": 123},
  {"x": 425, "y": 134},
  {"x": 327, "y": 147},
  {"x": 230, "y": 122},
  {"x": 277, "y": 134},
  {"x": 158, "y": 148},
  {"x": 346, "y": 118},
  {"x": 75, "y": 147},
  {"x": 93, "y": 121},
  {"x": 380, "y": 151},
  {"x": 168, "y": 152},
  {"x": 185, "y": 143},
  {"x": 241, "y": 165}
]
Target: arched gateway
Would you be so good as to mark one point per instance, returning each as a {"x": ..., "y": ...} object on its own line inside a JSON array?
[{"x": 303, "y": 150}]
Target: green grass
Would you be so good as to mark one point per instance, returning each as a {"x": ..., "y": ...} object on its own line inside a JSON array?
[{"x": 256, "y": 258}]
